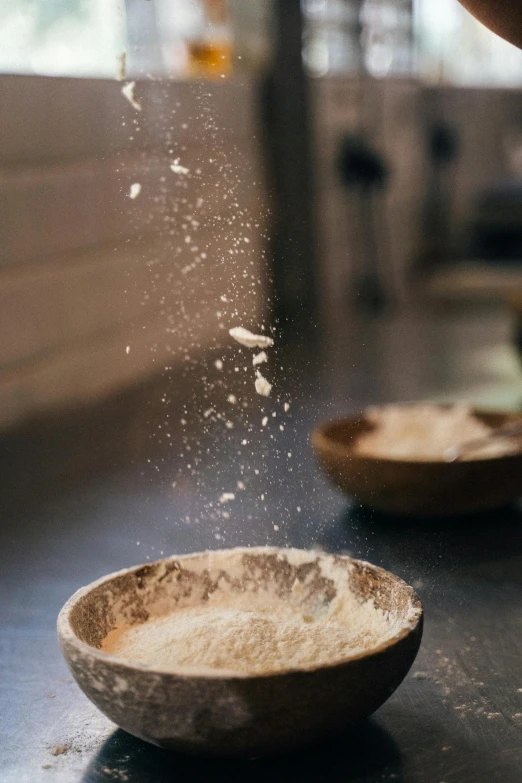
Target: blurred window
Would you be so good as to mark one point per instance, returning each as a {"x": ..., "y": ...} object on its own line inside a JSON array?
[
  {"x": 437, "y": 40},
  {"x": 176, "y": 37},
  {"x": 434, "y": 39},
  {"x": 452, "y": 47},
  {"x": 61, "y": 37}
]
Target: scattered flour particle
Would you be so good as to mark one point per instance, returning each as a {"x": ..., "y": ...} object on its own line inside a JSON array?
[
  {"x": 177, "y": 168},
  {"x": 264, "y": 421},
  {"x": 232, "y": 399},
  {"x": 225, "y": 515},
  {"x": 262, "y": 386},
  {"x": 298, "y": 509},
  {"x": 122, "y": 66},
  {"x": 127, "y": 349},
  {"x": 281, "y": 427},
  {"x": 226, "y": 496},
  {"x": 289, "y": 454},
  {"x": 128, "y": 92},
  {"x": 259, "y": 358},
  {"x": 276, "y": 528},
  {"x": 59, "y": 750},
  {"x": 135, "y": 190},
  {"x": 420, "y": 676},
  {"x": 240, "y": 485},
  {"x": 286, "y": 407},
  {"x": 250, "y": 340},
  {"x": 208, "y": 412},
  {"x": 244, "y": 442},
  {"x": 229, "y": 425},
  {"x": 217, "y": 536},
  {"x": 218, "y": 364},
  {"x": 183, "y": 421}
]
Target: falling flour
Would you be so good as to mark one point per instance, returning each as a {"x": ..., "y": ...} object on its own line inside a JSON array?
[
  {"x": 128, "y": 92},
  {"x": 238, "y": 640},
  {"x": 135, "y": 190},
  {"x": 259, "y": 358},
  {"x": 249, "y": 339},
  {"x": 177, "y": 168},
  {"x": 262, "y": 386}
]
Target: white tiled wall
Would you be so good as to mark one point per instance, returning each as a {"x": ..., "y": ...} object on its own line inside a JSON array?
[{"x": 85, "y": 271}]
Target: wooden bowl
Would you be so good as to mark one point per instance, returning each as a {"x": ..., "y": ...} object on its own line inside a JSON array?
[
  {"x": 424, "y": 489},
  {"x": 226, "y": 713},
  {"x": 503, "y": 17}
]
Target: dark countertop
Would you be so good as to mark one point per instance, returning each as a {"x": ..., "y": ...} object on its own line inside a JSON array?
[{"x": 457, "y": 718}]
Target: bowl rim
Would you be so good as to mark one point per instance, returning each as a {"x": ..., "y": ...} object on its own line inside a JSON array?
[
  {"x": 67, "y": 635},
  {"x": 321, "y": 439}
]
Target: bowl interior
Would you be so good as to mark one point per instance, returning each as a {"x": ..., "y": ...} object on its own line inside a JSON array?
[
  {"x": 341, "y": 435},
  {"x": 379, "y": 606}
]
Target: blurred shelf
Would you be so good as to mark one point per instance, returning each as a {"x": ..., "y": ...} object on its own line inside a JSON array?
[{"x": 476, "y": 280}]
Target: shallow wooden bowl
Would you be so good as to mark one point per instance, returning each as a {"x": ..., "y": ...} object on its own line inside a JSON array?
[
  {"x": 226, "y": 714},
  {"x": 424, "y": 489}
]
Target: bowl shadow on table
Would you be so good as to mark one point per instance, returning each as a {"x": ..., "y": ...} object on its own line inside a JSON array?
[
  {"x": 466, "y": 540},
  {"x": 368, "y": 752}
]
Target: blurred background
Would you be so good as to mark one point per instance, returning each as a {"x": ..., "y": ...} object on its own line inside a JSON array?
[
  {"x": 353, "y": 177},
  {"x": 343, "y": 175}
]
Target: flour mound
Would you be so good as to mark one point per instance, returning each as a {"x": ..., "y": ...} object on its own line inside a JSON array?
[
  {"x": 240, "y": 640},
  {"x": 426, "y": 432}
]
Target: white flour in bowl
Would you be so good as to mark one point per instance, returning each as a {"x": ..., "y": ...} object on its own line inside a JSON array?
[
  {"x": 253, "y": 641},
  {"x": 424, "y": 432}
]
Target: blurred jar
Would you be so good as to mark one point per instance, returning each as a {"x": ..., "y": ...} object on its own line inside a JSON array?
[
  {"x": 210, "y": 46},
  {"x": 195, "y": 37}
]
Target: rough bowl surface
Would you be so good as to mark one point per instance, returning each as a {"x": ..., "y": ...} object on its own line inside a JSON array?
[
  {"x": 424, "y": 489},
  {"x": 221, "y": 713}
]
